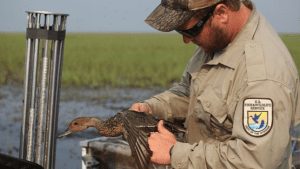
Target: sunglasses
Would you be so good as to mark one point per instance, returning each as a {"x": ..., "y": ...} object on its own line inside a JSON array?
[{"x": 195, "y": 30}]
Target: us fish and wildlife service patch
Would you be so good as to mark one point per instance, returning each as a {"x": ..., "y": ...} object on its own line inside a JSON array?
[{"x": 258, "y": 116}]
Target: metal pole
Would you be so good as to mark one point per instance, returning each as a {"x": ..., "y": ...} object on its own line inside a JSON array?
[
  {"x": 49, "y": 109},
  {"x": 33, "y": 95},
  {"x": 55, "y": 91},
  {"x": 42, "y": 87},
  {"x": 43, "y": 83},
  {"x": 23, "y": 142},
  {"x": 52, "y": 102}
]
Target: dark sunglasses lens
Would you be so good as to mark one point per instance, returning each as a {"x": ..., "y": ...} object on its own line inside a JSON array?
[
  {"x": 184, "y": 33},
  {"x": 195, "y": 30}
]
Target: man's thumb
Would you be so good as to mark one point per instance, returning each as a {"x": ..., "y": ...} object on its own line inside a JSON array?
[{"x": 161, "y": 128}]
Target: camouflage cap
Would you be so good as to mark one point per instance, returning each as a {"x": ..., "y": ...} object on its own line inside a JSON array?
[{"x": 171, "y": 14}]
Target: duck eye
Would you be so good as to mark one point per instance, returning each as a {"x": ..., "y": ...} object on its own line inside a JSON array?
[{"x": 75, "y": 123}]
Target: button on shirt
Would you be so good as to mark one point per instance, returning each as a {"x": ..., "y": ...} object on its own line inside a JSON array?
[{"x": 210, "y": 98}]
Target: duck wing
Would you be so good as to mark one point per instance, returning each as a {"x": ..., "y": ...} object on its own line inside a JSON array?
[
  {"x": 138, "y": 142},
  {"x": 137, "y": 128}
]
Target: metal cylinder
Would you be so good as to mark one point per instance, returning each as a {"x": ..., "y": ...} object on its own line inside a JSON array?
[{"x": 43, "y": 66}]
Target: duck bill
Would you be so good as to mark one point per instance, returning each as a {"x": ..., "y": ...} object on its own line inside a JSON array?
[{"x": 64, "y": 134}]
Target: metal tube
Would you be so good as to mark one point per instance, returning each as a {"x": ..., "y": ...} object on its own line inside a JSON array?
[
  {"x": 49, "y": 110},
  {"x": 24, "y": 130},
  {"x": 33, "y": 96},
  {"x": 40, "y": 113},
  {"x": 53, "y": 128},
  {"x": 52, "y": 102}
]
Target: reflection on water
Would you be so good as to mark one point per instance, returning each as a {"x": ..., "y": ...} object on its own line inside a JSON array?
[{"x": 104, "y": 102}]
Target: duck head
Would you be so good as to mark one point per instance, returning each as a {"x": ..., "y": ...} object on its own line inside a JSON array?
[{"x": 79, "y": 124}]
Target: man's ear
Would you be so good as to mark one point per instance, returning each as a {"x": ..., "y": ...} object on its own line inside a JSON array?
[{"x": 221, "y": 13}]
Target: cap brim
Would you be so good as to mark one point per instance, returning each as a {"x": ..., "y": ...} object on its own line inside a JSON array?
[{"x": 166, "y": 19}]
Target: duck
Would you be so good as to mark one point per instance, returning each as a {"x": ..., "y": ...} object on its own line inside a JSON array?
[
  {"x": 134, "y": 127},
  {"x": 255, "y": 117}
]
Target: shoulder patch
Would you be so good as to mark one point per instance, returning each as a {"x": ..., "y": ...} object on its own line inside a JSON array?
[
  {"x": 257, "y": 116},
  {"x": 255, "y": 62}
]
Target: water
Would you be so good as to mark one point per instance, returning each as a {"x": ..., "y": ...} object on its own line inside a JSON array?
[{"x": 102, "y": 103}]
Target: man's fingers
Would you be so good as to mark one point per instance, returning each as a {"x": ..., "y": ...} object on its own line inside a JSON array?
[
  {"x": 140, "y": 107},
  {"x": 134, "y": 107},
  {"x": 159, "y": 144}
]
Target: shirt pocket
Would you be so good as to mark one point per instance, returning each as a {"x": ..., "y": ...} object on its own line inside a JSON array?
[{"x": 213, "y": 104}]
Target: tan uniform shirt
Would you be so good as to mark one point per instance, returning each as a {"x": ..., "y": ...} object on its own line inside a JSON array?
[{"x": 238, "y": 107}]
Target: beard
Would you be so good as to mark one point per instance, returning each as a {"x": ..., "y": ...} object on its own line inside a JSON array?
[{"x": 216, "y": 41}]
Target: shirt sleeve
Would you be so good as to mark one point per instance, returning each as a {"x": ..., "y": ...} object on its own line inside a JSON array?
[
  {"x": 173, "y": 103},
  {"x": 243, "y": 150}
]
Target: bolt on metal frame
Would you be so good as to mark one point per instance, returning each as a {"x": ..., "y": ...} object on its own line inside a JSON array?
[{"x": 45, "y": 36}]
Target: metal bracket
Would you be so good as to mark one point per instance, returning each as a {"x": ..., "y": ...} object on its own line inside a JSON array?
[{"x": 34, "y": 33}]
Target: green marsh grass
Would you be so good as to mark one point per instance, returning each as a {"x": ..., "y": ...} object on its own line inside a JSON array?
[
  {"x": 135, "y": 60},
  {"x": 115, "y": 60},
  {"x": 292, "y": 42}
]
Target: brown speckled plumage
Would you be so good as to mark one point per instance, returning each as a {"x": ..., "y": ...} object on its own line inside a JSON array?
[{"x": 110, "y": 128}]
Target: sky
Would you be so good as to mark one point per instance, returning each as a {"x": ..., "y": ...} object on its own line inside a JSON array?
[{"x": 127, "y": 15}]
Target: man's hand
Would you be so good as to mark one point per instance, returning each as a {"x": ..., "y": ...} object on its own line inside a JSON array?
[
  {"x": 160, "y": 143},
  {"x": 140, "y": 107}
]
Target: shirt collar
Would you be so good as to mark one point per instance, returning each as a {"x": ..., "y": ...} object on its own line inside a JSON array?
[{"x": 228, "y": 56}]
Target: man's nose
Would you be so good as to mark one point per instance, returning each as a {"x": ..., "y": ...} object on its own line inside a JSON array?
[{"x": 186, "y": 39}]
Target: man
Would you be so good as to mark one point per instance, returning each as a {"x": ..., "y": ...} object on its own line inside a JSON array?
[{"x": 238, "y": 94}]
